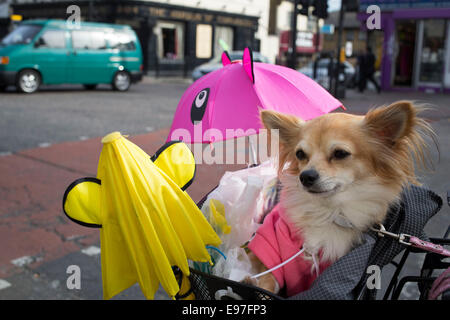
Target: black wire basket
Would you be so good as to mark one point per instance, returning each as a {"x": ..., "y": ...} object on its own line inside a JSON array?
[{"x": 209, "y": 287}]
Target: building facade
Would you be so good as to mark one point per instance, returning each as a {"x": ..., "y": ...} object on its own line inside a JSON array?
[
  {"x": 309, "y": 41},
  {"x": 353, "y": 37},
  {"x": 416, "y": 43},
  {"x": 4, "y": 17},
  {"x": 175, "y": 38},
  {"x": 178, "y": 35}
]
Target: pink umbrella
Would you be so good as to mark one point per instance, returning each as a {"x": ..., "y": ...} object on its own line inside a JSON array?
[{"x": 225, "y": 104}]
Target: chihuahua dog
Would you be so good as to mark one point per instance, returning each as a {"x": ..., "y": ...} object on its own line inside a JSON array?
[{"x": 339, "y": 174}]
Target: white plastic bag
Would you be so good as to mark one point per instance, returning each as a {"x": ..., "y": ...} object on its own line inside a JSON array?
[
  {"x": 236, "y": 267},
  {"x": 242, "y": 195}
]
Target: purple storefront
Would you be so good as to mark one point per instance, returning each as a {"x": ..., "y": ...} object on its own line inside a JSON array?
[{"x": 416, "y": 43}]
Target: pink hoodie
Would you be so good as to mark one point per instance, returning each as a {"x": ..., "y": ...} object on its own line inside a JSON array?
[{"x": 276, "y": 241}]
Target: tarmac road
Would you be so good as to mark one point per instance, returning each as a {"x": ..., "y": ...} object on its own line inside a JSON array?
[
  {"x": 70, "y": 113},
  {"x": 50, "y": 138}
]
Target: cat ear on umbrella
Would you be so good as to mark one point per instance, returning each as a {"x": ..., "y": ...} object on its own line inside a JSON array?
[
  {"x": 247, "y": 62},
  {"x": 226, "y": 60}
]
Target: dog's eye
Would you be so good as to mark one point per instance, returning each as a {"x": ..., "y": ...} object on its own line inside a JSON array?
[
  {"x": 340, "y": 154},
  {"x": 300, "y": 154}
]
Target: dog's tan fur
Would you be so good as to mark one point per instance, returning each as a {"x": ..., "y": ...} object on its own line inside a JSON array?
[{"x": 382, "y": 145}]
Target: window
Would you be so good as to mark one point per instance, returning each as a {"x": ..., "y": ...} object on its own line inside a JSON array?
[
  {"x": 311, "y": 24},
  {"x": 223, "y": 40},
  {"x": 405, "y": 47},
  {"x": 170, "y": 37},
  {"x": 169, "y": 43},
  {"x": 203, "y": 41},
  {"x": 350, "y": 35},
  {"x": 362, "y": 35},
  {"x": 98, "y": 40},
  {"x": 329, "y": 37},
  {"x": 433, "y": 48},
  {"x": 22, "y": 34},
  {"x": 80, "y": 40},
  {"x": 54, "y": 39},
  {"x": 94, "y": 40},
  {"x": 121, "y": 40}
]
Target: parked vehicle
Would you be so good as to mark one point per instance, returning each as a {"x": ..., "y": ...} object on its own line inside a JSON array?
[
  {"x": 55, "y": 52},
  {"x": 216, "y": 63},
  {"x": 348, "y": 77}
]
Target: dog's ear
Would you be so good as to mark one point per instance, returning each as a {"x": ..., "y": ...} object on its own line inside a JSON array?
[
  {"x": 288, "y": 126},
  {"x": 391, "y": 123}
]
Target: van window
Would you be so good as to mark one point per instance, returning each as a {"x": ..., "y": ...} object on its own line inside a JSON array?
[
  {"x": 94, "y": 40},
  {"x": 98, "y": 40},
  {"x": 23, "y": 34},
  {"x": 54, "y": 39},
  {"x": 122, "y": 41}
]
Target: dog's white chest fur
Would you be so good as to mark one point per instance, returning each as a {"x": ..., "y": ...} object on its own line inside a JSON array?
[{"x": 334, "y": 224}]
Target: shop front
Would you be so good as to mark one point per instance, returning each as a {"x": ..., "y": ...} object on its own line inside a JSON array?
[
  {"x": 307, "y": 44},
  {"x": 174, "y": 39},
  {"x": 416, "y": 48}
]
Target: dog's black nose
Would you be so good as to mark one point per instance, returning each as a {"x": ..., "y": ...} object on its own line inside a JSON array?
[{"x": 308, "y": 177}]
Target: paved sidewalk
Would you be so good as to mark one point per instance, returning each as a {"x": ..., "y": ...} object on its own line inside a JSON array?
[{"x": 359, "y": 103}]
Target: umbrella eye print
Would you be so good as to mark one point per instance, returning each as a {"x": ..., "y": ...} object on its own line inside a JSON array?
[{"x": 199, "y": 106}]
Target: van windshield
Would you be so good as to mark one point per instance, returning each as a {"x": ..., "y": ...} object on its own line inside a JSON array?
[{"x": 23, "y": 34}]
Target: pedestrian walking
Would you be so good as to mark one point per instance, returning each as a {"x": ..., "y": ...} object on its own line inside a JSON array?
[{"x": 366, "y": 64}]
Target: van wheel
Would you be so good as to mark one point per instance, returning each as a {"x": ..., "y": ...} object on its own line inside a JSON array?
[
  {"x": 28, "y": 81},
  {"x": 90, "y": 86},
  {"x": 121, "y": 81}
]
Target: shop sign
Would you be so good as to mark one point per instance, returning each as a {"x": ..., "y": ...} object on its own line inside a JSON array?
[
  {"x": 199, "y": 17},
  {"x": 327, "y": 29},
  {"x": 305, "y": 39},
  {"x": 403, "y": 4},
  {"x": 305, "y": 42}
]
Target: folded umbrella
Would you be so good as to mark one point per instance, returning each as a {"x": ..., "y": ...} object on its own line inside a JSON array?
[{"x": 148, "y": 222}]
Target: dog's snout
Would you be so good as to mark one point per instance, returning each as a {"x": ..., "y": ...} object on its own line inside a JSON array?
[{"x": 309, "y": 177}]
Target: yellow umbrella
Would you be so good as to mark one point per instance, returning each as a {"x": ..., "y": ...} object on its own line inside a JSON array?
[{"x": 148, "y": 222}]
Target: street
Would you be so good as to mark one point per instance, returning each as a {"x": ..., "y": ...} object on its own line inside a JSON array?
[
  {"x": 52, "y": 137},
  {"x": 70, "y": 113}
]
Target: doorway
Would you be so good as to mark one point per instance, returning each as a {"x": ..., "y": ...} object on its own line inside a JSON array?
[
  {"x": 405, "y": 33},
  {"x": 169, "y": 36},
  {"x": 170, "y": 41}
]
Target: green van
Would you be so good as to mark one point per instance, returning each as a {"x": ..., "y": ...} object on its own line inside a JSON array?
[{"x": 55, "y": 52}]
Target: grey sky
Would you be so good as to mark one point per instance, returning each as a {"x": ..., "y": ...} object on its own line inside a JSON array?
[{"x": 334, "y": 5}]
